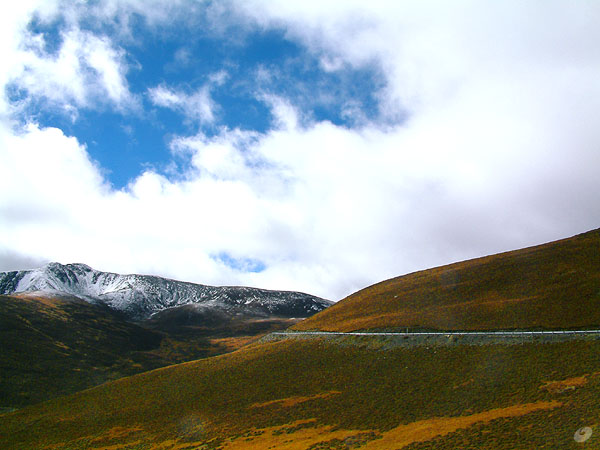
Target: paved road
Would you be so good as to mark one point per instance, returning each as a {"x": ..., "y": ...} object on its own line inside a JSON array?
[{"x": 438, "y": 333}]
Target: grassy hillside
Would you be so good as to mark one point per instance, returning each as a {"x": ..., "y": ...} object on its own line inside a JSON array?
[
  {"x": 333, "y": 394},
  {"x": 556, "y": 285},
  {"x": 219, "y": 332},
  {"x": 57, "y": 346},
  {"x": 371, "y": 393}
]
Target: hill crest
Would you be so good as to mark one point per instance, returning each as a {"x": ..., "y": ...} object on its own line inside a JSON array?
[{"x": 553, "y": 285}]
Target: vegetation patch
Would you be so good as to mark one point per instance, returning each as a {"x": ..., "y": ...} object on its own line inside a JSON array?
[
  {"x": 306, "y": 434},
  {"x": 426, "y": 430},
  {"x": 559, "y": 387},
  {"x": 300, "y": 439},
  {"x": 292, "y": 401},
  {"x": 230, "y": 344}
]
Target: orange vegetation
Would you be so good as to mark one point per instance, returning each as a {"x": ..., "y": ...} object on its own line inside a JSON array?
[
  {"x": 305, "y": 434},
  {"x": 425, "y": 430},
  {"x": 52, "y": 302},
  {"x": 119, "y": 432},
  {"x": 230, "y": 344},
  {"x": 302, "y": 434},
  {"x": 558, "y": 387},
  {"x": 291, "y": 401},
  {"x": 45, "y": 305}
]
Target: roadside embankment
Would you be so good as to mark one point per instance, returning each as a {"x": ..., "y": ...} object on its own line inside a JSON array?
[{"x": 413, "y": 339}]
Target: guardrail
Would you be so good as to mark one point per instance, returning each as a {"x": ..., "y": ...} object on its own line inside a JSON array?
[{"x": 436, "y": 333}]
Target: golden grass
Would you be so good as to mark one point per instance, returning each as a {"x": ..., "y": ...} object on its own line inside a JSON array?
[
  {"x": 292, "y": 401},
  {"x": 555, "y": 285},
  {"x": 302, "y": 434},
  {"x": 45, "y": 305},
  {"x": 428, "y": 315},
  {"x": 118, "y": 446},
  {"x": 425, "y": 430},
  {"x": 119, "y": 432},
  {"x": 47, "y": 301},
  {"x": 558, "y": 387},
  {"x": 284, "y": 394},
  {"x": 175, "y": 445},
  {"x": 230, "y": 344},
  {"x": 279, "y": 437}
]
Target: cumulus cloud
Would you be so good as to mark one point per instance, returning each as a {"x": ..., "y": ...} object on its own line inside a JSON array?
[
  {"x": 430, "y": 50},
  {"x": 497, "y": 149},
  {"x": 86, "y": 71},
  {"x": 197, "y": 107}
]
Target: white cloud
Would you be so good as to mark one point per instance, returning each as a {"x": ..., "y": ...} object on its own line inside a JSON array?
[
  {"x": 13, "y": 23},
  {"x": 429, "y": 50},
  {"x": 197, "y": 107},
  {"x": 218, "y": 78},
  {"x": 499, "y": 150},
  {"x": 86, "y": 71},
  {"x": 218, "y": 157},
  {"x": 165, "y": 97},
  {"x": 285, "y": 115}
]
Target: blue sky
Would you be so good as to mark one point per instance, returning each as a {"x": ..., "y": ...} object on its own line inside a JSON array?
[
  {"x": 238, "y": 67},
  {"x": 304, "y": 145}
]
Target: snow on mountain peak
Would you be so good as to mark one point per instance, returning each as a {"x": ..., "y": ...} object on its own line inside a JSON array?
[{"x": 140, "y": 296}]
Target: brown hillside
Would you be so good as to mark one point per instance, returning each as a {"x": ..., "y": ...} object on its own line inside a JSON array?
[
  {"x": 337, "y": 394},
  {"x": 555, "y": 285},
  {"x": 53, "y": 346}
]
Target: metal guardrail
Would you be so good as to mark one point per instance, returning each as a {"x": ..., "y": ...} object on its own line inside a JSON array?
[{"x": 435, "y": 333}]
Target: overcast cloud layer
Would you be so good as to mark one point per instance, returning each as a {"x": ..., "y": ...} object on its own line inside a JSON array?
[{"x": 485, "y": 139}]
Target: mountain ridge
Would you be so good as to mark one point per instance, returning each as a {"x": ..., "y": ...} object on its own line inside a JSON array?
[{"x": 139, "y": 297}]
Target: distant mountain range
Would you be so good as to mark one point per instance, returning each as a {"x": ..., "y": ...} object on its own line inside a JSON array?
[
  {"x": 140, "y": 297},
  {"x": 65, "y": 328}
]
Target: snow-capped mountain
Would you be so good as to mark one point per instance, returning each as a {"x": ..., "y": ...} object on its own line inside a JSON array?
[{"x": 141, "y": 296}]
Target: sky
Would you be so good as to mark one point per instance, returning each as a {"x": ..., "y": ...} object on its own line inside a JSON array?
[{"x": 319, "y": 146}]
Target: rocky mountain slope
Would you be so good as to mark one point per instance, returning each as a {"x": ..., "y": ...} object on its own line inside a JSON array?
[{"x": 141, "y": 296}]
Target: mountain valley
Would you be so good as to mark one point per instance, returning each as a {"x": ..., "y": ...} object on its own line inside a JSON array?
[
  {"x": 368, "y": 392},
  {"x": 65, "y": 328}
]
